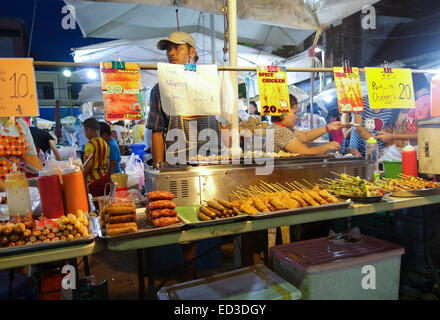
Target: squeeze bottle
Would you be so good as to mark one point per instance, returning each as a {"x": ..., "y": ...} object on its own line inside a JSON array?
[{"x": 409, "y": 161}]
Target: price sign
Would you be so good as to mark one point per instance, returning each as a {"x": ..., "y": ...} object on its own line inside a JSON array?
[
  {"x": 390, "y": 89},
  {"x": 274, "y": 94},
  {"x": 348, "y": 88},
  {"x": 18, "y": 96},
  {"x": 121, "y": 90}
]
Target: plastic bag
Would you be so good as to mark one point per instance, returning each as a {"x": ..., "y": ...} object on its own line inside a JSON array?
[
  {"x": 135, "y": 171},
  {"x": 227, "y": 97},
  {"x": 391, "y": 153}
]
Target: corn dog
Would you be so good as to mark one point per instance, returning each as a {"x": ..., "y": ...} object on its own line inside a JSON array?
[{"x": 316, "y": 197}]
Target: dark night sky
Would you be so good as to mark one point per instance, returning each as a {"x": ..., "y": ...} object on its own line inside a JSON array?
[{"x": 50, "y": 41}]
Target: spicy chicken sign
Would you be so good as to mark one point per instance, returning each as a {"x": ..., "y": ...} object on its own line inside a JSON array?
[
  {"x": 348, "y": 88},
  {"x": 121, "y": 90},
  {"x": 274, "y": 93}
]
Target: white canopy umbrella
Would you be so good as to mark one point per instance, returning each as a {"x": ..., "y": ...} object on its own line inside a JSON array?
[
  {"x": 144, "y": 51},
  {"x": 263, "y": 22}
]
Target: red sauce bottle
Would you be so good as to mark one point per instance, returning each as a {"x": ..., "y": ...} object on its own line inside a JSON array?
[
  {"x": 51, "y": 194},
  {"x": 409, "y": 161}
]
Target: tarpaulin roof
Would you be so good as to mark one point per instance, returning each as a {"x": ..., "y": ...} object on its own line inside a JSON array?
[{"x": 273, "y": 23}]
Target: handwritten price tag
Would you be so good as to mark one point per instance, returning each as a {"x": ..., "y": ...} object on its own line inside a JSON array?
[
  {"x": 17, "y": 88},
  {"x": 274, "y": 93},
  {"x": 390, "y": 90}
]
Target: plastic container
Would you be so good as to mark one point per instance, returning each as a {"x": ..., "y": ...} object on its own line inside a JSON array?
[
  {"x": 393, "y": 169},
  {"x": 251, "y": 283},
  {"x": 409, "y": 161},
  {"x": 17, "y": 192},
  {"x": 325, "y": 271},
  {"x": 75, "y": 195},
  {"x": 372, "y": 154},
  {"x": 138, "y": 149},
  {"x": 51, "y": 195}
]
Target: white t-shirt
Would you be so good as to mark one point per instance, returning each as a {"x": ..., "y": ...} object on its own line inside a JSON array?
[{"x": 13, "y": 132}]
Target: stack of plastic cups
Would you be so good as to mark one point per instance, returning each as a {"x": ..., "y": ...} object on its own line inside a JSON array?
[{"x": 75, "y": 195}]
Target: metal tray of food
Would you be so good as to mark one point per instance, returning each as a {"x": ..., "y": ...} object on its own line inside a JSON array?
[
  {"x": 51, "y": 245},
  {"x": 357, "y": 199},
  {"x": 189, "y": 215},
  {"x": 415, "y": 193},
  {"x": 145, "y": 228},
  {"x": 282, "y": 213}
]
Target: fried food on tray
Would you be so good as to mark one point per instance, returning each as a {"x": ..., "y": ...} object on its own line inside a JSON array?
[
  {"x": 298, "y": 198},
  {"x": 163, "y": 213},
  {"x": 411, "y": 183},
  {"x": 310, "y": 201},
  {"x": 165, "y": 221},
  {"x": 121, "y": 219},
  {"x": 121, "y": 228},
  {"x": 277, "y": 203},
  {"x": 237, "y": 203},
  {"x": 289, "y": 202},
  {"x": 160, "y": 195},
  {"x": 248, "y": 207},
  {"x": 123, "y": 208},
  {"x": 326, "y": 195},
  {"x": 316, "y": 197},
  {"x": 161, "y": 204},
  {"x": 260, "y": 204}
]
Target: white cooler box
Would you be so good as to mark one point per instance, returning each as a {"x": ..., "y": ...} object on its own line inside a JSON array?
[
  {"x": 251, "y": 283},
  {"x": 369, "y": 270}
]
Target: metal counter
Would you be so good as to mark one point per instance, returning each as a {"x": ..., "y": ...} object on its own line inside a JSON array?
[{"x": 193, "y": 184}]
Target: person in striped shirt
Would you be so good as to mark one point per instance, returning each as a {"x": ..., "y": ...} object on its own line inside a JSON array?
[{"x": 96, "y": 158}]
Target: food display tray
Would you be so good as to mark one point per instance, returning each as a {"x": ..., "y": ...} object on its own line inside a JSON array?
[
  {"x": 189, "y": 215},
  {"x": 51, "y": 245},
  {"x": 415, "y": 193},
  {"x": 360, "y": 199},
  {"x": 145, "y": 228},
  {"x": 281, "y": 213}
]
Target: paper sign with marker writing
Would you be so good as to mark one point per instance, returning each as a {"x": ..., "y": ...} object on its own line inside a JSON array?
[
  {"x": 17, "y": 88},
  {"x": 122, "y": 91},
  {"x": 188, "y": 93},
  {"x": 348, "y": 88},
  {"x": 390, "y": 90},
  {"x": 274, "y": 93}
]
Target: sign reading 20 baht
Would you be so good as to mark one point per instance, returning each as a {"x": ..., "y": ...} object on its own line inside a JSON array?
[
  {"x": 274, "y": 93},
  {"x": 121, "y": 91}
]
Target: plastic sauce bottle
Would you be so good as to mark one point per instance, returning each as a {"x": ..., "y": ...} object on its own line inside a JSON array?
[
  {"x": 409, "y": 161},
  {"x": 372, "y": 154},
  {"x": 17, "y": 192},
  {"x": 51, "y": 194},
  {"x": 75, "y": 195}
]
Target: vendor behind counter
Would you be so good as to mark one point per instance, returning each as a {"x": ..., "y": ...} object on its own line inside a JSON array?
[{"x": 16, "y": 140}]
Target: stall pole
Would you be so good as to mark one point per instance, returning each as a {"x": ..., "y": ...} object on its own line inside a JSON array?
[
  {"x": 212, "y": 31},
  {"x": 232, "y": 36}
]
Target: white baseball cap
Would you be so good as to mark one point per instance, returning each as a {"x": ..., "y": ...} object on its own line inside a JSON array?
[{"x": 177, "y": 38}]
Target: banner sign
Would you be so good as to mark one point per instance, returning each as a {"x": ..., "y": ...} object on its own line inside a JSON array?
[
  {"x": 348, "y": 88},
  {"x": 274, "y": 93},
  {"x": 390, "y": 89},
  {"x": 189, "y": 90},
  {"x": 121, "y": 91},
  {"x": 17, "y": 88}
]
